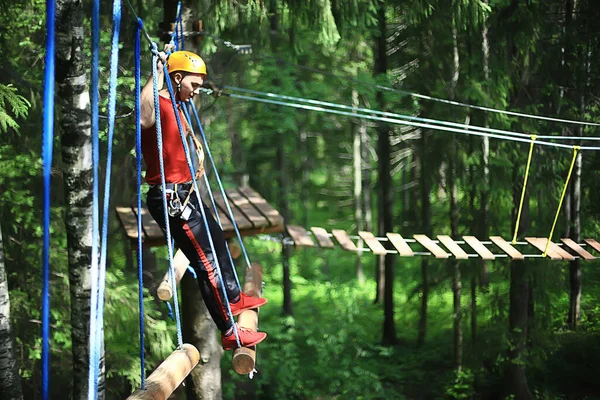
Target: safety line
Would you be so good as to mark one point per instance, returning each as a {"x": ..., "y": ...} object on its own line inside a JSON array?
[
  {"x": 514, "y": 240},
  {"x": 200, "y": 203},
  {"x": 409, "y": 93},
  {"x": 562, "y": 197},
  {"x": 400, "y": 122},
  {"x": 92, "y": 374},
  {"x": 159, "y": 144},
  {"x": 210, "y": 195},
  {"x": 138, "y": 159},
  {"x": 112, "y": 94},
  {"x": 47, "y": 153},
  {"x": 222, "y": 190},
  {"x": 403, "y": 116}
]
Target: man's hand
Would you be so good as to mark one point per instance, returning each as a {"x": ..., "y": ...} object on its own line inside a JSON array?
[{"x": 163, "y": 55}]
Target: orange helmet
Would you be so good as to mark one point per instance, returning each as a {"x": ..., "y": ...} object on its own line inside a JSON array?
[{"x": 186, "y": 61}]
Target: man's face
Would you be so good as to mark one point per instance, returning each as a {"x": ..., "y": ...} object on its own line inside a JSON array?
[{"x": 190, "y": 85}]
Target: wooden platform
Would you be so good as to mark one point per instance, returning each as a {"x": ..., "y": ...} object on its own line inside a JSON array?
[
  {"x": 444, "y": 246},
  {"x": 252, "y": 214}
]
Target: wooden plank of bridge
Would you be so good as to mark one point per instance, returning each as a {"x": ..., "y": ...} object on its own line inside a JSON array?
[
  {"x": 151, "y": 228},
  {"x": 577, "y": 248},
  {"x": 344, "y": 240},
  {"x": 240, "y": 218},
  {"x": 271, "y": 214},
  {"x": 244, "y": 205},
  {"x": 322, "y": 237},
  {"x": 376, "y": 247},
  {"x": 593, "y": 243},
  {"x": 507, "y": 248},
  {"x": 426, "y": 242},
  {"x": 128, "y": 221},
  {"x": 454, "y": 248},
  {"x": 479, "y": 248},
  {"x": 553, "y": 250},
  {"x": 400, "y": 244},
  {"x": 299, "y": 236}
]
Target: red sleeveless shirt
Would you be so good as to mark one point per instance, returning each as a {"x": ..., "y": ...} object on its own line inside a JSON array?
[{"x": 176, "y": 167}]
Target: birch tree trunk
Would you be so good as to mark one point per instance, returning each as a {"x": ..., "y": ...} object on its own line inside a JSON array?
[
  {"x": 575, "y": 274},
  {"x": 76, "y": 152},
  {"x": 357, "y": 166},
  {"x": 10, "y": 381},
  {"x": 485, "y": 155}
]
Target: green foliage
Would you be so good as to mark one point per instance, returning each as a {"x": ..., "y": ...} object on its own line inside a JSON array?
[{"x": 17, "y": 104}]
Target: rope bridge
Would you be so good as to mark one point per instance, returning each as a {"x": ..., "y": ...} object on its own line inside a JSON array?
[{"x": 443, "y": 246}]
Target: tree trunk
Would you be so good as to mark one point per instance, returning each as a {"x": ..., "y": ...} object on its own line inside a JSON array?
[
  {"x": 10, "y": 381},
  {"x": 386, "y": 219},
  {"x": 357, "y": 129},
  {"x": 204, "y": 382},
  {"x": 514, "y": 371},
  {"x": 453, "y": 190},
  {"x": 198, "y": 328},
  {"x": 575, "y": 274},
  {"x": 426, "y": 227},
  {"x": 237, "y": 152},
  {"x": 76, "y": 150},
  {"x": 485, "y": 155}
]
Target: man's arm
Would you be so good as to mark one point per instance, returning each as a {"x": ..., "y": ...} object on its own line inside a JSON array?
[{"x": 148, "y": 117}]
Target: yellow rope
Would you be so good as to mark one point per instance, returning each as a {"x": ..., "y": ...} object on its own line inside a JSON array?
[
  {"x": 562, "y": 197},
  {"x": 533, "y": 137}
]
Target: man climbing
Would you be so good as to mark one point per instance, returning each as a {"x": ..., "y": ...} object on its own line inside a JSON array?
[{"x": 187, "y": 72}]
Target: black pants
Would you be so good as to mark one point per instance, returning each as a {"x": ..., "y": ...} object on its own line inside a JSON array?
[{"x": 191, "y": 237}]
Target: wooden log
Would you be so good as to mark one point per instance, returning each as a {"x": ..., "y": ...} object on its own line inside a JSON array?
[
  {"x": 400, "y": 244},
  {"x": 454, "y": 248},
  {"x": 576, "y": 247},
  {"x": 371, "y": 241},
  {"x": 180, "y": 264},
  {"x": 479, "y": 247},
  {"x": 234, "y": 249},
  {"x": 507, "y": 248},
  {"x": 169, "y": 375},
  {"x": 244, "y": 358},
  {"x": 344, "y": 240},
  {"x": 430, "y": 245},
  {"x": 322, "y": 237}
]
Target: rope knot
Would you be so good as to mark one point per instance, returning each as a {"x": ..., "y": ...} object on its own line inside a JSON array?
[{"x": 140, "y": 23}]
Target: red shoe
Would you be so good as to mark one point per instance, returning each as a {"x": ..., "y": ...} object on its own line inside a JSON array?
[
  {"x": 246, "y": 303},
  {"x": 247, "y": 337}
]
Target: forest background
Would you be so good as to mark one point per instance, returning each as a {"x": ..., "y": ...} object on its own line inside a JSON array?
[{"x": 340, "y": 326}]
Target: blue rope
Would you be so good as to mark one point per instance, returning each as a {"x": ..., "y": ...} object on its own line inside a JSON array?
[
  {"x": 112, "y": 92},
  {"x": 212, "y": 161},
  {"x": 92, "y": 375},
  {"x": 47, "y": 141},
  {"x": 179, "y": 17},
  {"x": 191, "y": 169},
  {"x": 163, "y": 184},
  {"x": 212, "y": 199},
  {"x": 177, "y": 35},
  {"x": 170, "y": 310},
  {"x": 192, "y": 271},
  {"x": 138, "y": 154}
]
